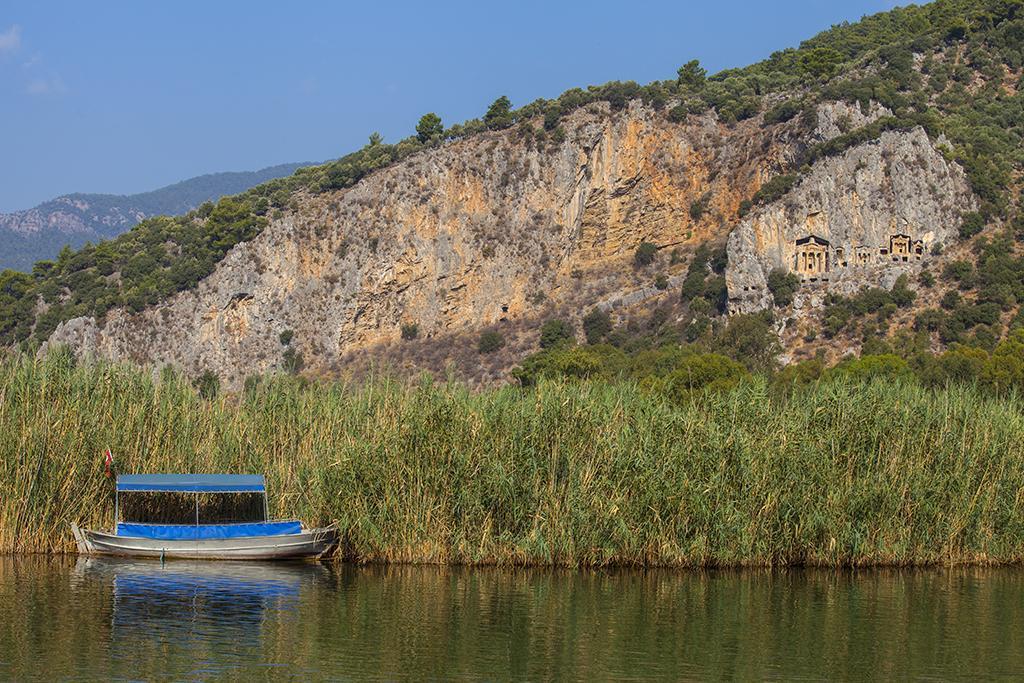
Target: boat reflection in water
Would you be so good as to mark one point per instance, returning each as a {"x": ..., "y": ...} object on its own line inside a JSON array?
[{"x": 213, "y": 611}]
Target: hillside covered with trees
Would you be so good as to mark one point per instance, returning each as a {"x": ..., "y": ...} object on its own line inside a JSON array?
[{"x": 951, "y": 67}]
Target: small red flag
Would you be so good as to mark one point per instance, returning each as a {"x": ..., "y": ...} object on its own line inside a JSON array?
[{"x": 108, "y": 461}]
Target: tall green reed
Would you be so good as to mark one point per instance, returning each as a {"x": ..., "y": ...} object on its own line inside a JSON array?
[{"x": 565, "y": 473}]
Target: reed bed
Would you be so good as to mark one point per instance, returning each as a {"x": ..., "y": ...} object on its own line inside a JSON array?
[{"x": 569, "y": 474}]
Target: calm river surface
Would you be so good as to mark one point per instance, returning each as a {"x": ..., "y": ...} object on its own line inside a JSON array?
[{"x": 96, "y": 619}]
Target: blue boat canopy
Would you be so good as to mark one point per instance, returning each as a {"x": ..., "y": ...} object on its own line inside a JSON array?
[
  {"x": 187, "y": 532},
  {"x": 199, "y": 483}
]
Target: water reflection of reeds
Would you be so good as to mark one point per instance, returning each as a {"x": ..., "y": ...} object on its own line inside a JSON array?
[
  {"x": 436, "y": 622},
  {"x": 557, "y": 624}
]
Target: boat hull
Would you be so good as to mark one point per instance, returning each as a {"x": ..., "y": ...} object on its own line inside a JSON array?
[{"x": 313, "y": 543}]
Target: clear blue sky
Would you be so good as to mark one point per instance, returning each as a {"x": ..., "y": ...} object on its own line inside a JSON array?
[{"x": 124, "y": 97}]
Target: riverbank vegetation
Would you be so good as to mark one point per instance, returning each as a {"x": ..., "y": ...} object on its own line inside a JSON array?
[{"x": 846, "y": 470}]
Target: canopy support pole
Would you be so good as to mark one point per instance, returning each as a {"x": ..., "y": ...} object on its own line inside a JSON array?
[
  {"x": 197, "y": 508},
  {"x": 266, "y": 510}
]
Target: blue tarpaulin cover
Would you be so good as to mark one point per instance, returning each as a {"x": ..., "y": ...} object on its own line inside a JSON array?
[
  {"x": 188, "y": 532},
  {"x": 214, "y": 483}
]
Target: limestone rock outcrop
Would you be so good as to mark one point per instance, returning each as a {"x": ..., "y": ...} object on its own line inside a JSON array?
[
  {"x": 835, "y": 118},
  {"x": 502, "y": 226},
  {"x": 460, "y": 236},
  {"x": 858, "y": 219}
]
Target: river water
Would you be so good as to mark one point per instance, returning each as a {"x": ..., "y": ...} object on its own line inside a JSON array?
[{"x": 105, "y": 619}]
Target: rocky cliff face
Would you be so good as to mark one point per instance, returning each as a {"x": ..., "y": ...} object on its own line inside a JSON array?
[
  {"x": 859, "y": 219},
  {"x": 469, "y": 234},
  {"x": 835, "y": 118},
  {"x": 501, "y": 227}
]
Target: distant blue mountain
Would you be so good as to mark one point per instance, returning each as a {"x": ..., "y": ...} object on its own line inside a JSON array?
[{"x": 74, "y": 219}]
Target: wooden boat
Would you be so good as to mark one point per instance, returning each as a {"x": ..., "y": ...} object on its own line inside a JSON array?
[{"x": 218, "y": 529}]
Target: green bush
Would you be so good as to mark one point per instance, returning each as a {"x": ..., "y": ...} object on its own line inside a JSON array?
[
  {"x": 971, "y": 224},
  {"x": 804, "y": 372},
  {"x": 840, "y": 311},
  {"x": 692, "y": 76},
  {"x": 619, "y": 93},
  {"x": 783, "y": 285},
  {"x": 1004, "y": 373},
  {"x": 490, "y": 341},
  {"x": 552, "y": 117},
  {"x": 596, "y": 325},
  {"x": 929, "y": 320},
  {"x": 700, "y": 306},
  {"x": 644, "y": 254},
  {"x": 16, "y": 306},
  {"x": 292, "y": 361},
  {"x": 775, "y": 188},
  {"x": 901, "y": 294},
  {"x": 751, "y": 339},
  {"x": 716, "y": 292},
  {"x": 554, "y": 332},
  {"x": 700, "y": 326},
  {"x": 887, "y": 366},
  {"x": 960, "y": 271},
  {"x": 571, "y": 362},
  {"x": 699, "y": 207},
  {"x": 783, "y": 111},
  {"x": 820, "y": 62},
  {"x": 696, "y": 274},
  {"x": 207, "y": 384},
  {"x": 429, "y": 128},
  {"x": 499, "y": 114},
  {"x": 410, "y": 331},
  {"x": 962, "y": 365},
  {"x": 704, "y": 372},
  {"x": 678, "y": 113}
]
